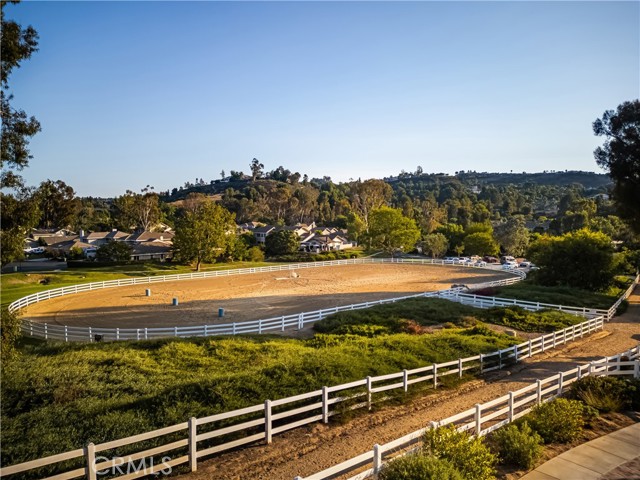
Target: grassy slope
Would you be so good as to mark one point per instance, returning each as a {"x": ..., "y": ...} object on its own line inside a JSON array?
[
  {"x": 558, "y": 295},
  {"x": 56, "y": 397}
]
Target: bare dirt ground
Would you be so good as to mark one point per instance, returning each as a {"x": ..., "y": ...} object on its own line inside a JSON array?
[
  {"x": 307, "y": 450},
  {"x": 249, "y": 297}
]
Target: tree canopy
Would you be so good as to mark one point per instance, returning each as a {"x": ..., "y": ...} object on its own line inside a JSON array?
[
  {"x": 17, "y": 45},
  {"x": 389, "y": 230},
  {"x": 620, "y": 156},
  {"x": 282, "y": 242},
  {"x": 435, "y": 244},
  {"x": 581, "y": 259},
  {"x": 203, "y": 233}
]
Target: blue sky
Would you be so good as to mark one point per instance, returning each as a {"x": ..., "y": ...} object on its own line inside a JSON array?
[{"x": 159, "y": 93}]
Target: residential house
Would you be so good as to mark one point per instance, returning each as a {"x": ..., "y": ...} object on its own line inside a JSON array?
[
  {"x": 261, "y": 233},
  {"x": 101, "y": 238}
]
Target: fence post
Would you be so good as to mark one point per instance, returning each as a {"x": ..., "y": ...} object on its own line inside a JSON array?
[
  {"x": 481, "y": 364},
  {"x": 579, "y": 374},
  {"x": 499, "y": 359},
  {"x": 233, "y": 328},
  {"x": 590, "y": 368},
  {"x": 145, "y": 333},
  {"x": 538, "y": 391},
  {"x": 530, "y": 349},
  {"x": 459, "y": 368},
  {"x": 554, "y": 339},
  {"x": 435, "y": 376},
  {"x": 560, "y": 383},
  {"x": 636, "y": 369},
  {"x": 90, "y": 458},
  {"x": 46, "y": 332},
  {"x": 66, "y": 337},
  {"x": 283, "y": 323},
  {"x": 369, "y": 393},
  {"x": 511, "y": 396},
  {"x": 478, "y": 418},
  {"x": 405, "y": 380},
  {"x": 377, "y": 459},
  {"x": 325, "y": 404},
  {"x": 193, "y": 444},
  {"x": 267, "y": 421},
  {"x": 260, "y": 326}
]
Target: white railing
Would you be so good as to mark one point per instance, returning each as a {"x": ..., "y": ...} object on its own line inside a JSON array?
[
  {"x": 202, "y": 437},
  {"x": 205, "y": 436},
  {"x": 487, "y": 417},
  {"x": 298, "y": 320}
]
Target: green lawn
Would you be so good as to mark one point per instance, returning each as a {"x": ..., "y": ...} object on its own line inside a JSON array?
[{"x": 16, "y": 285}]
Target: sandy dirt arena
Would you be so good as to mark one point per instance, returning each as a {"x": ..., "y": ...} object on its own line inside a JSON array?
[{"x": 249, "y": 297}]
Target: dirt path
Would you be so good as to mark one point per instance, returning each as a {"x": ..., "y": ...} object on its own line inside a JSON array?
[
  {"x": 249, "y": 297},
  {"x": 305, "y": 451}
]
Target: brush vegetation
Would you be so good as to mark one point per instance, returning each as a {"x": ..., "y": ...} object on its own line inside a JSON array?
[
  {"x": 57, "y": 397},
  {"x": 419, "y": 315}
]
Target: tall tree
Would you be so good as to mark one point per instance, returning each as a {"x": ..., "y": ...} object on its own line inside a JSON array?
[
  {"x": 58, "y": 204},
  {"x": 137, "y": 210},
  {"x": 620, "y": 156},
  {"x": 20, "y": 213},
  {"x": 435, "y": 244},
  {"x": 17, "y": 45},
  {"x": 257, "y": 169},
  {"x": 367, "y": 196},
  {"x": 581, "y": 259},
  {"x": 203, "y": 234},
  {"x": 480, "y": 243},
  {"x": 282, "y": 242},
  {"x": 512, "y": 235},
  {"x": 389, "y": 230}
]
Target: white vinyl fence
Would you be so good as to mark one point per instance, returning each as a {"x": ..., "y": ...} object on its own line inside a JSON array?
[
  {"x": 487, "y": 417},
  {"x": 280, "y": 323},
  {"x": 196, "y": 438},
  {"x": 200, "y": 437}
]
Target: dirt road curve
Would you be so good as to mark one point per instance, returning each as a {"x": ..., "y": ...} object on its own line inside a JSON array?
[{"x": 308, "y": 450}]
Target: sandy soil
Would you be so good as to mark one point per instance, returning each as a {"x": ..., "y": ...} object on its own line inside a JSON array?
[
  {"x": 249, "y": 297},
  {"x": 307, "y": 450}
]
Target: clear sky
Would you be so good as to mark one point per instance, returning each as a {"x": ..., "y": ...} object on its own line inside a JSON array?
[{"x": 159, "y": 93}]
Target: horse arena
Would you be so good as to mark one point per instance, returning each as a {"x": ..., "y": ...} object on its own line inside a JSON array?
[{"x": 249, "y": 297}]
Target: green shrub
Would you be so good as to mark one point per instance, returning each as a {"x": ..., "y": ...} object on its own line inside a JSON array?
[
  {"x": 560, "y": 420},
  {"x": 471, "y": 456},
  {"x": 520, "y": 446},
  {"x": 606, "y": 394},
  {"x": 10, "y": 331},
  {"x": 419, "y": 467},
  {"x": 540, "y": 321}
]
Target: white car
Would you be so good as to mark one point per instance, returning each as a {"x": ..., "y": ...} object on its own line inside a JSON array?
[
  {"x": 480, "y": 263},
  {"x": 525, "y": 264}
]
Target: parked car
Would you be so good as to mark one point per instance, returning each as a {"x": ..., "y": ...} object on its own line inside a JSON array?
[
  {"x": 490, "y": 259},
  {"x": 525, "y": 264},
  {"x": 480, "y": 263},
  {"x": 510, "y": 265}
]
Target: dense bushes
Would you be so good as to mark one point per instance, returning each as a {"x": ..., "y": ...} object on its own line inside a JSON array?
[
  {"x": 471, "y": 456},
  {"x": 419, "y": 467},
  {"x": 540, "y": 321},
  {"x": 405, "y": 315},
  {"x": 518, "y": 445},
  {"x": 607, "y": 394},
  {"x": 561, "y": 420},
  {"x": 10, "y": 331}
]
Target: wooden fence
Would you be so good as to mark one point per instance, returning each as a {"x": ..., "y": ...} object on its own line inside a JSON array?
[
  {"x": 299, "y": 320},
  {"x": 487, "y": 417}
]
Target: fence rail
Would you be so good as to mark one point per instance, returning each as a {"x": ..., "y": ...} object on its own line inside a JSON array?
[
  {"x": 298, "y": 320},
  {"x": 200, "y": 437},
  {"x": 487, "y": 417}
]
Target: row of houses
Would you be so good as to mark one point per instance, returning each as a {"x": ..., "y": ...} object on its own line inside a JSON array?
[
  {"x": 312, "y": 238},
  {"x": 147, "y": 245},
  {"x": 144, "y": 245}
]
